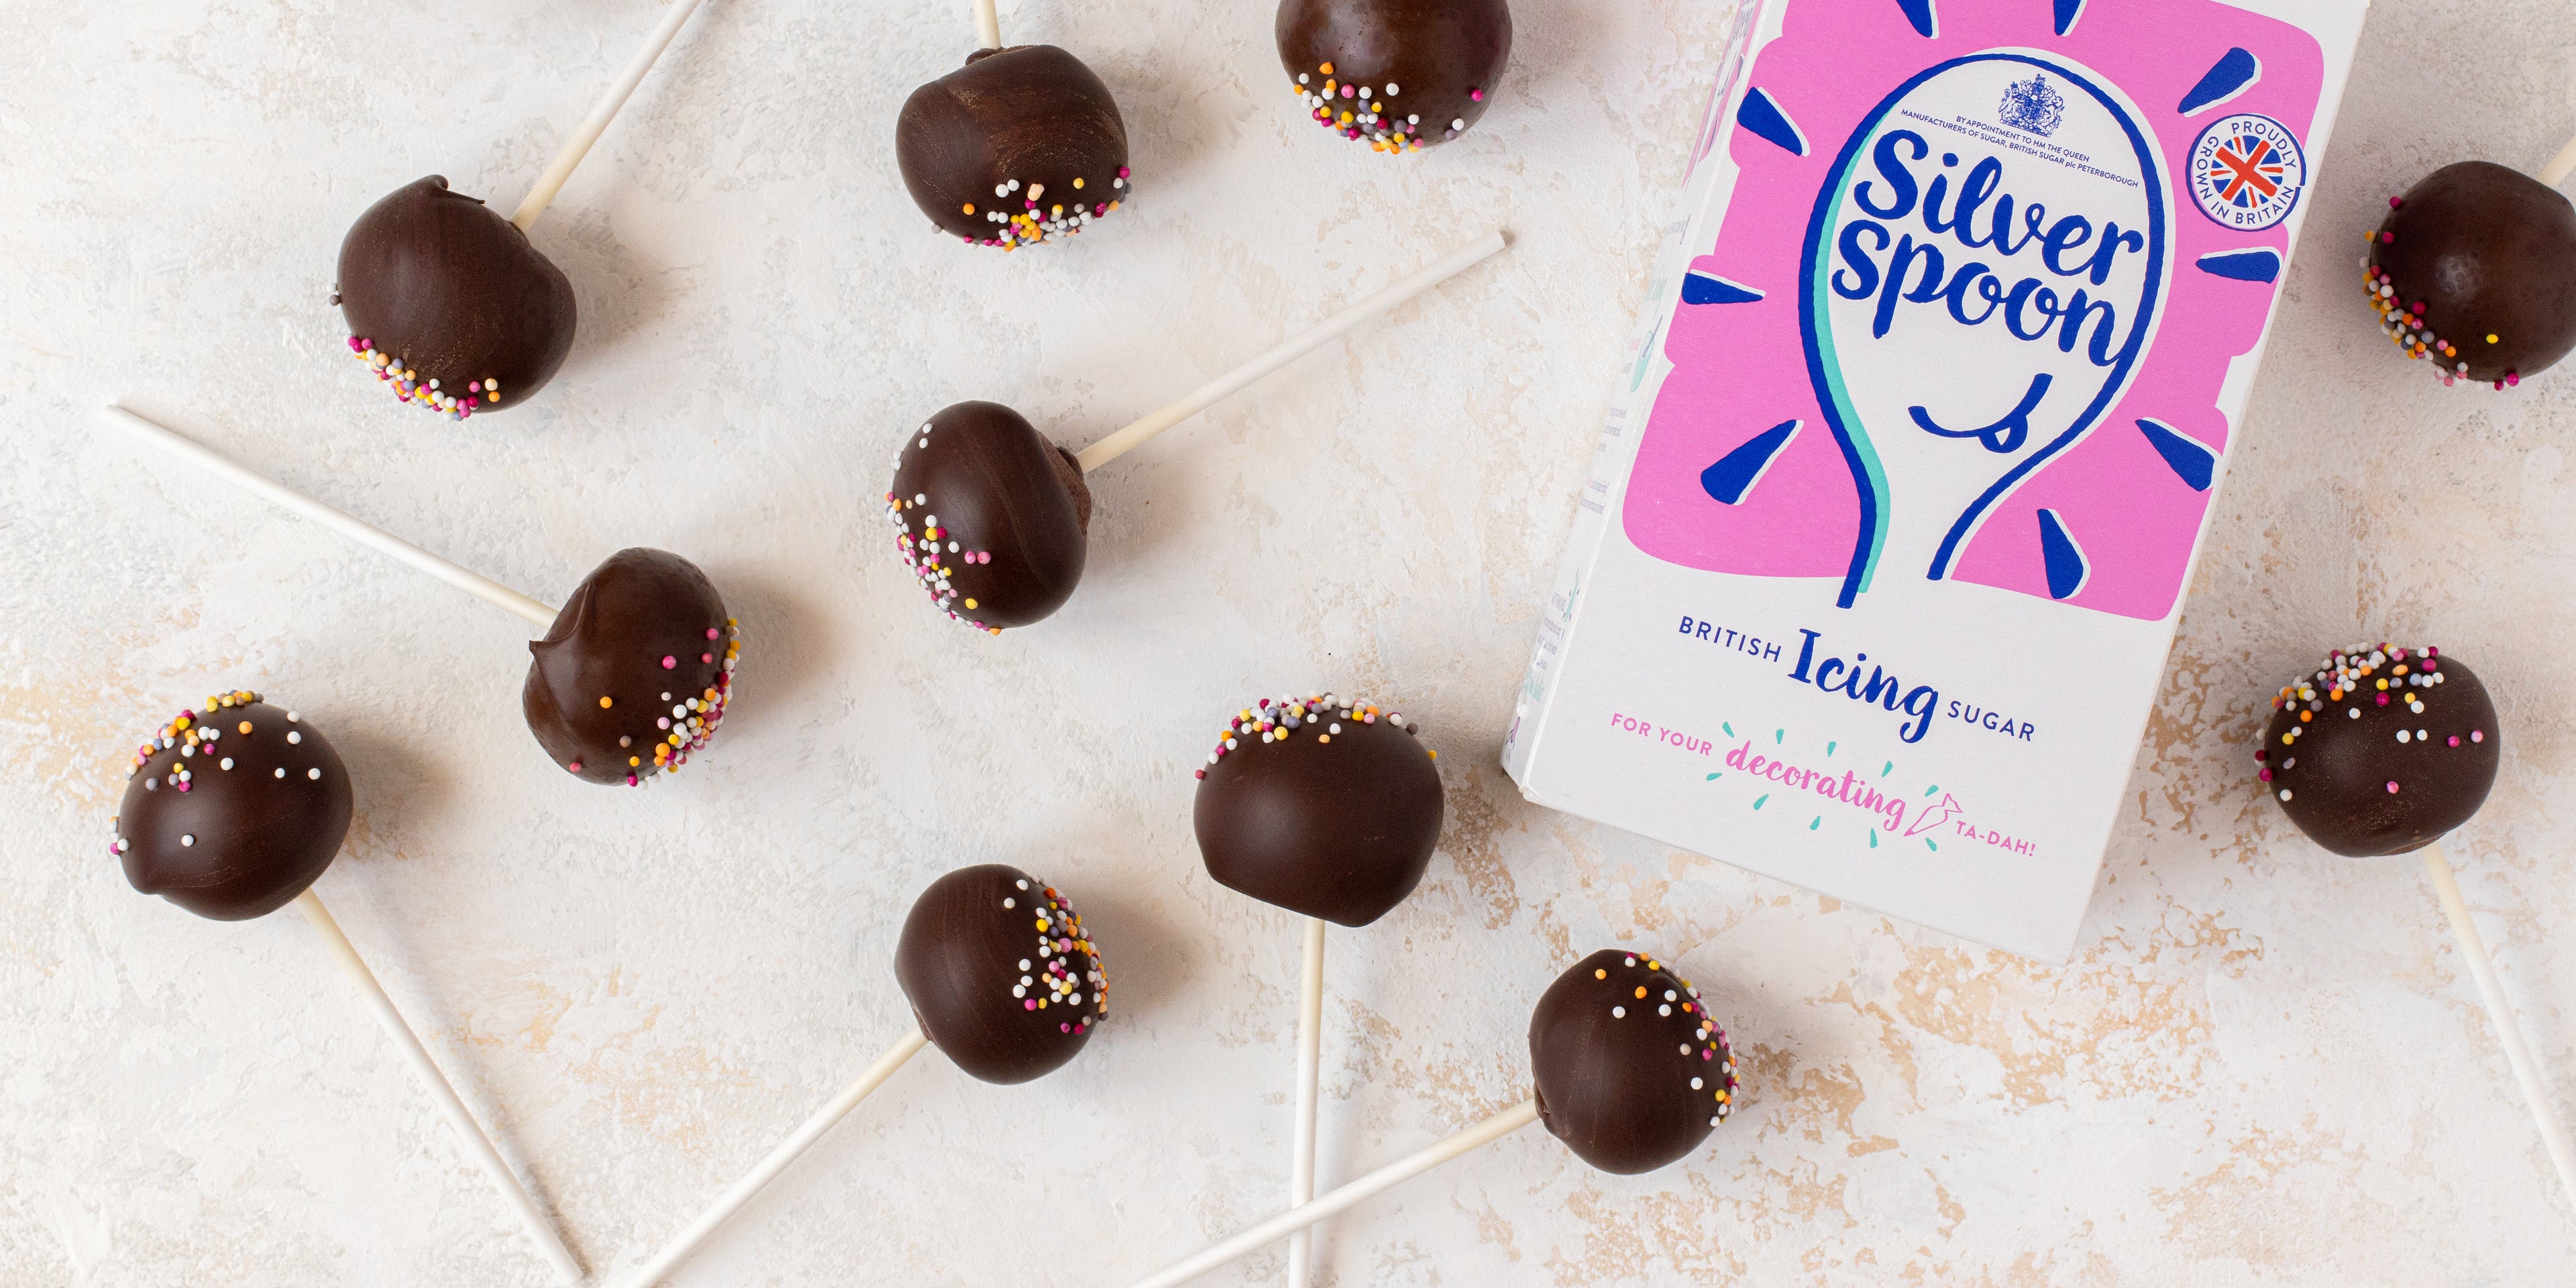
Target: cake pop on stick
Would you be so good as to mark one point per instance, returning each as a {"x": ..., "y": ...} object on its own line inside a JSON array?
[
  {"x": 1398, "y": 75},
  {"x": 633, "y": 674},
  {"x": 1001, "y": 976},
  {"x": 2475, "y": 269},
  {"x": 991, "y": 517},
  {"x": 2381, "y": 750},
  {"x": 447, "y": 302},
  {"x": 232, "y": 811},
  {"x": 1632, "y": 1074},
  {"x": 1329, "y": 809},
  {"x": 1018, "y": 146}
]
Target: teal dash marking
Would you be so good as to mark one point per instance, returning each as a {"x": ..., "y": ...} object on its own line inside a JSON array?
[
  {"x": 1812, "y": 825},
  {"x": 1779, "y": 734},
  {"x": 1829, "y": 748},
  {"x": 1886, "y": 769},
  {"x": 1757, "y": 801},
  {"x": 1710, "y": 779},
  {"x": 1873, "y": 838},
  {"x": 1928, "y": 841},
  {"x": 1730, "y": 729},
  {"x": 1931, "y": 789}
]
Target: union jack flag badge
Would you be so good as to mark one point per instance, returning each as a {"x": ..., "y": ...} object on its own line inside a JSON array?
[{"x": 2247, "y": 171}]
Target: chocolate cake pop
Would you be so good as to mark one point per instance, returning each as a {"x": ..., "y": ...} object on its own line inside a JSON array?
[
  {"x": 1324, "y": 807},
  {"x": 991, "y": 518},
  {"x": 1003, "y": 516},
  {"x": 1019, "y": 146},
  {"x": 1632, "y": 1072},
  {"x": 635, "y": 673},
  {"x": 1000, "y": 973},
  {"x": 1002, "y": 978},
  {"x": 448, "y": 303},
  {"x": 1398, "y": 75},
  {"x": 2475, "y": 270},
  {"x": 2381, "y": 749},
  {"x": 232, "y": 809}
]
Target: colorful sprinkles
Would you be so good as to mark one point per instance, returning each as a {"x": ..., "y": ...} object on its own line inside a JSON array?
[
  {"x": 409, "y": 387},
  {"x": 2382, "y": 674},
  {"x": 1278, "y": 719},
  {"x": 1707, "y": 1040},
  {"x": 197, "y": 736},
  {"x": 690, "y": 720},
  {"x": 1369, "y": 113},
  {"x": 1050, "y": 979},
  {"x": 933, "y": 556},
  {"x": 1024, "y": 216},
  {"x": 2404, "y": 322}
]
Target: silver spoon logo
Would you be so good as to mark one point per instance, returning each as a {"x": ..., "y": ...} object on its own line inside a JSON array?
[{"x": 1981, "y": 274}]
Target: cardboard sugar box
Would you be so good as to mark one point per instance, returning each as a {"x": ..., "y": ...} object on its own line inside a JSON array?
[{"x": 1890, "y": 523}]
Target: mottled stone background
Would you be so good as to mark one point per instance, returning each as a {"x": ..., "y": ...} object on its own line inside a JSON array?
[{"x": 2267, "y": 1066}]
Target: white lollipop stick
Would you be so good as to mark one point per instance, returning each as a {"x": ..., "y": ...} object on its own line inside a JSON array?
[
  {"x": 294, "y": 502},
  {"x": 988, "y": 29},
  {"x": 1289, "y": 350},
  {"x": 476, "y": 1143},
  {"x": 806, "y": 1133},
  {"x": 2535, "y": 1093},
  {"x": 1306, "y": 1214},
  {"x": 593, "y": 125},
  {"x": 1301, "y": 1156},
  {"x": 2560, "y": 166}
]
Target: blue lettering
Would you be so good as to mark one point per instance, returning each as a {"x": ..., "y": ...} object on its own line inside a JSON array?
[
  {"x": 2065, "y": 235},
  {"x": 2071, "y": 322},
  {"x": 2114, "y": 240},
  {"x": 1983, "y": 178},
  {"x": 1892, "y": 167},
  {"x": 1857, "y": 261},
  {"x": 2028, "y": 292},
  {"x": 1919, "y": 703},
  {"x": 1989, "y": 288}
]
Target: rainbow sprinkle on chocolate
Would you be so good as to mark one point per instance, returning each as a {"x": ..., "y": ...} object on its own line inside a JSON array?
[
  {"x": 2345, "y": 679},
  {"x": 926, "y": 557},
  {"x": 410, "y": 388},
  {"x": 1278, "y": 719},
  {"x": 691, "y": 721},
  {"x": 187, "y": 733},
  {"x": 1368, "y": 113},
  {"x": 1050, "y": 979},
  {"x": 2404, "y": 322},
  {"x": 1037, "y": 219},
  {"x": 192, "y": 733},
  {"x": 1712, "y": 1045}
]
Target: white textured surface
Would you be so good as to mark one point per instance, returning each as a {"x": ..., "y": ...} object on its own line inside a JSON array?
[{"x": 2267, "y": 1067}]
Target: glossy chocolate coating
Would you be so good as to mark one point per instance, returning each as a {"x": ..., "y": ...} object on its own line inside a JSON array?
[
  {"x": 1630, "y": 1080},
  {"x": 1000, "y": 973},
  {"x": 228, "y": 823},
  {"x": 647, "y": 633},
  {"x": 1030, "y": 115},
  {"x": 1323, "y": 807},
  {"x": 452, "y": 291},
  {"x": 2486, "y": 250},
  {"x": 1430, "y": 66},
  {"x": 1012, "y": 503},
  {"x": 2333, "y": 775}
]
